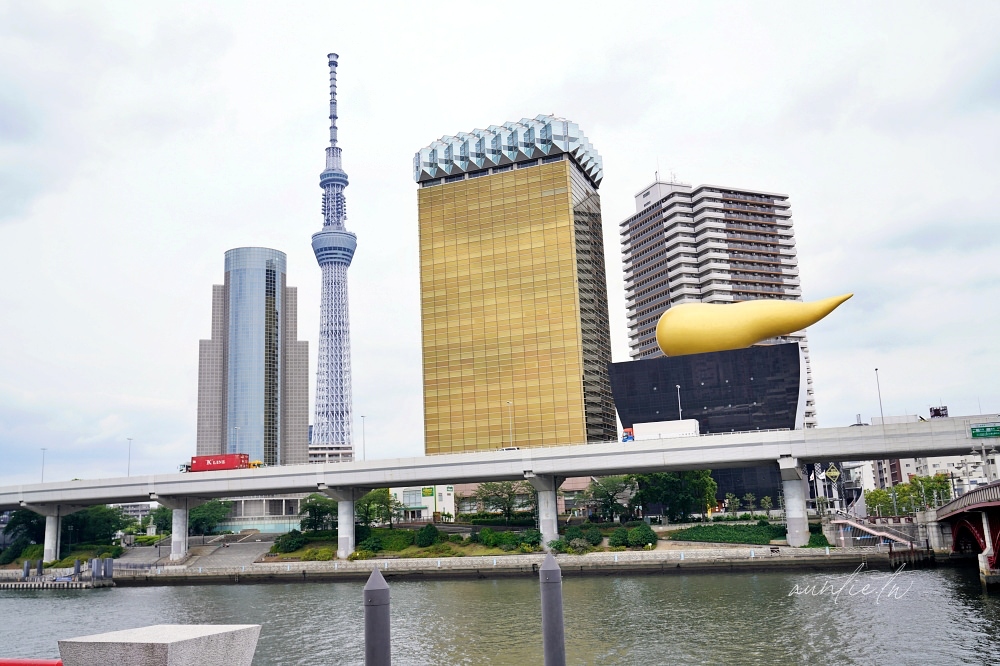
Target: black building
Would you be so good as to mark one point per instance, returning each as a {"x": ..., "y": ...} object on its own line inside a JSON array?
[{"x": 757, "y": 388}]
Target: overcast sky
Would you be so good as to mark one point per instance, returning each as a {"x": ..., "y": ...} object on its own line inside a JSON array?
[{"x": 140, "y": 141}]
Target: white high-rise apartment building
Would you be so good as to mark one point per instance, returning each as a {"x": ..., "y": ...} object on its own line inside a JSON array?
[{"x": 707, "y": 244}]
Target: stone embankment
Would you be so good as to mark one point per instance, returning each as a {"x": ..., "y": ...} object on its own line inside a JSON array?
[{"x": 687, "y": 560}]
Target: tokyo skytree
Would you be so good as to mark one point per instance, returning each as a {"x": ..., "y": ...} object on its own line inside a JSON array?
[{"x": 334, "y": 248}]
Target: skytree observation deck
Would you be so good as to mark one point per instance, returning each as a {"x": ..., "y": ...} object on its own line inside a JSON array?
[{"x": 334, "y": 249}]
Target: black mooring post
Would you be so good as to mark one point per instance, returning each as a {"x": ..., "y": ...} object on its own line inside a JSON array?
[
  {"x": 377, "y": 648},
  {"x": 553, "y": 632}
]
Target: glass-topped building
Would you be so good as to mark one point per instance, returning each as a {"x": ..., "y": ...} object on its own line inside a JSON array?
[
  {"x": 253, "y": 373},
  {"x": 514, "y": 318}
]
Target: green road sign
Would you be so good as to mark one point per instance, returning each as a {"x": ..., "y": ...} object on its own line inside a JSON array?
[{"x": 985, "y": 430}]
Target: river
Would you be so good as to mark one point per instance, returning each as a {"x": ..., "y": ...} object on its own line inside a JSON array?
[{"x": 937, "y": 616}]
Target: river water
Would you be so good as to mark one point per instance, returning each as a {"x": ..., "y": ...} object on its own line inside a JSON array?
[{"x": 930, "y": 616}]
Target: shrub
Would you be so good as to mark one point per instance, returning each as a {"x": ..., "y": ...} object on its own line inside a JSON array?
[
  {"x": 288, "y": 543},
  {"x": 456, "y": 538},
  {"x": 528, "y": 548},
  {"x": 635, "y": 523},
  {"x": 579, "y": 546},
  {"x": 324, "y": 535},
  {"x": 394, "y": 540},
  {"x": 617, "y": 549},
  {"x": 514, "y": 522},
  {"x": 474, "y": 538},
  {"x": 33, "y": 552},
  {"x": 532, "y": 538},
  {"x": 12, "y": 551},
  {"x": 428, "y": 535},
  {"x": 559, "y": 546},
  {"x": 817, "y": 541},
  {"x": 372, "y": 544},
  {"x": 439, "y": 549},
  {"x": 752, "y": 534},
  {"x": 641, "y": 536},
  {"x": 762, "y": 523},
  {"x": 361, "y": 532},
  {"x": 573, "y": 532},
  {"x": 507, "y": 540},
  {"x": 361, "y": 555},
  {"x": 593, "y": 536},
  {"x": 618, "y": 538},
  {"x": 486, "y": 536},
  {"x": 309, "y": 555},
  {"x": 324, "y": 554}
]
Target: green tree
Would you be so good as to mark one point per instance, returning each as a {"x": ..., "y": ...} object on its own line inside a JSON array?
[
  {"x": 766, "y": 505},
  {"x": 906, "y": 498},
  {"x": 378, "y": 506},
  {"x": 750, "y": 502},
  {"x": 204, "y": 519},
  {"x": 95, "y": 524},
  {"x": 368, "y": 508},
  {"x": 163, "y": 518},
  {"x": 609, "y": 496},
  {"x": 26, "y": 524},
  {"x": 504, "y": 497},
  {"x": 680, "y": 493},
  {"x": 732, "y": 503},
  {"x": 319, "y": 513}
]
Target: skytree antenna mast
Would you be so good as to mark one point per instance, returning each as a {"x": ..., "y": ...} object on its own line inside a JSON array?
[{"x": 334, "y": 248}]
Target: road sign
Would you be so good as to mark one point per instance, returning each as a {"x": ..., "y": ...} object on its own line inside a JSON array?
[
  {"x": 833, "y": 473},
  {"x": 980, "y": 430}
]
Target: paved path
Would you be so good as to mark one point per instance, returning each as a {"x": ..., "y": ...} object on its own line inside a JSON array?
[
  {"x": 235, "y": 555},
  {"x": 143, "y": 554}
]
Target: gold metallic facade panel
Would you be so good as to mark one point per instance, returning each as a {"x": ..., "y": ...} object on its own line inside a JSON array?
[
  {"x": 500, "y": 306},
  {"x": 695, "y": 328}
]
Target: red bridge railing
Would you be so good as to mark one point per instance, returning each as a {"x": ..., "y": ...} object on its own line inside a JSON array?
[{"x": 986, "y": 495}]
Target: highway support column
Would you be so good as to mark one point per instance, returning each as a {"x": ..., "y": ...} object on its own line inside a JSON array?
[
  {"x": 345, "y": 516},
  {"x": 546, "y": 486},
  {"x": 53, "y": 526},
  {"x": 795, "y": 501},
  {"x": 180, "y": 506}
]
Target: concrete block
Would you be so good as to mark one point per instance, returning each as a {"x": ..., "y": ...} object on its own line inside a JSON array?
[{"x": 165, "y": 645}]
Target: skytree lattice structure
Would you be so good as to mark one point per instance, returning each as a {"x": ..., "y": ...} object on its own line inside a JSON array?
[{"x": 334, "y": 248}]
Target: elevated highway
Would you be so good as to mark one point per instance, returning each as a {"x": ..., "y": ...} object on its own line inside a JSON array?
[{"x": 544, "y": 468}]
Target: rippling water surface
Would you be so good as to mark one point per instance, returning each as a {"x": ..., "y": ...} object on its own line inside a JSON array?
[{"x": 942, "y": 617}]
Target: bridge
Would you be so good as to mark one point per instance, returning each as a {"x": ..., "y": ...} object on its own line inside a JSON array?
[
  {"x": 545, "y": 468},
  {"x": 975, "y": 527}
]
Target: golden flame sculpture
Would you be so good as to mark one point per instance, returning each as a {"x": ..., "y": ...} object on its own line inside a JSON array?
[{"x": 696, "y": 328}]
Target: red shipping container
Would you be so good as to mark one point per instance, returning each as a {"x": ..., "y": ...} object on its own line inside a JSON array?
[{"x": 224, "y": 461}]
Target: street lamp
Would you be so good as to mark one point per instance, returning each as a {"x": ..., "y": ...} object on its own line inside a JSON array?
[
  {"x": 680, "y": 414},
  {"x": 362, "y": 436},
  {"x": 43, "y": 464},
  {"x": 986, "y": 463},
  {"x": 510, "y": 419},
  {"x": 129, "y": 468}
]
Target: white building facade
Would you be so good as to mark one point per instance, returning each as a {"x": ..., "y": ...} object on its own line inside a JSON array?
[{"x": 707, "y": 244}]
